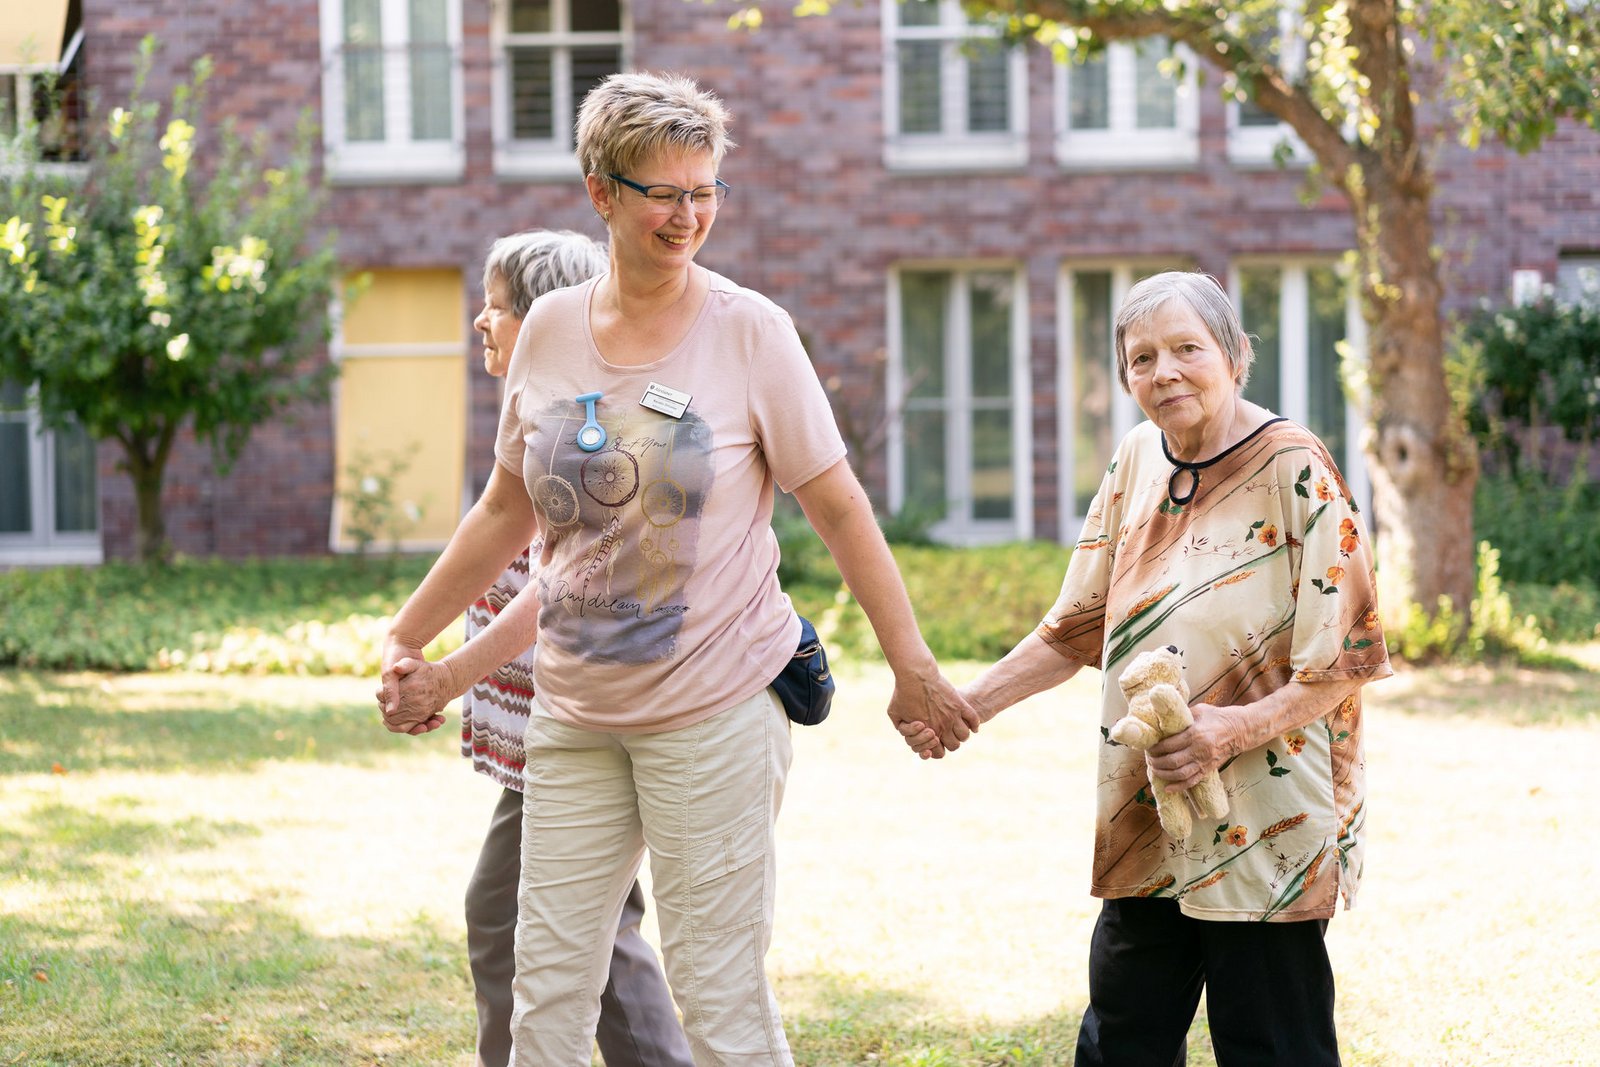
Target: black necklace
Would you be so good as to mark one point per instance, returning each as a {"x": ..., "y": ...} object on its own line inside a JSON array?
[{"x": 1193, "y": 469}]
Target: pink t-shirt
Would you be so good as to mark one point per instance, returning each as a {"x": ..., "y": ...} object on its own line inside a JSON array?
[{"x": 658, "y": 585}]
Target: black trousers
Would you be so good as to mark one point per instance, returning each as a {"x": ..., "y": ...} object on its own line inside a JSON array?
[{"x": 1268, "y": 986}]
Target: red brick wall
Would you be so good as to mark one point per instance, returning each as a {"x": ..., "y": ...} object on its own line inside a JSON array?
[{"x": 815, "y": 221}]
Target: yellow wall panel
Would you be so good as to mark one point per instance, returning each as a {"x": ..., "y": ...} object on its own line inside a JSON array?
[
  {"x": 412, "y": 408},
  {"x": 406, "y": 307}
]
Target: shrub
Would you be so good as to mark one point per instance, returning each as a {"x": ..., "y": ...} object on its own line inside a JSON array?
[{"x": 1545, "y": 533}]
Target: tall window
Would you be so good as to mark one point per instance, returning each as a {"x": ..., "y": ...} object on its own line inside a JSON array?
[
  {"x": 392, "y": 89},
  {"x": 1128, "y": 107},
  {"x": 1303, "y": 315},
  {"x": 958, "y": 394},
  {"x": 49, "y": 495},
  {"x": 548, "y": 55},
  {"x": 955, "y": 95},
  {"x": 1094, "y": 412},
  {"x": 1257, "y": 137}
]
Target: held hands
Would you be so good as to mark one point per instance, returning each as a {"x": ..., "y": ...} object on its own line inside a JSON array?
[
  {"x": 411, "y": 694},
  {"x": 931, "y": 715}
]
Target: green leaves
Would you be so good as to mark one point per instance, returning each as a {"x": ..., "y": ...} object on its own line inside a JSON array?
[{"x": 148, "y": 296}]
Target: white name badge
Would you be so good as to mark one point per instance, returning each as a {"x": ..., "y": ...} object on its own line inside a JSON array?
[{"x": 667, "y": 401}]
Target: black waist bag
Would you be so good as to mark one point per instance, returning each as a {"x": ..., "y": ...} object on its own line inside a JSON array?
[{"x": 806, "y": 684}]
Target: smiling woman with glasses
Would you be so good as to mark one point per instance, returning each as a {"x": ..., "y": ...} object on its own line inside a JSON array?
[{"x": 649, "y": 414}]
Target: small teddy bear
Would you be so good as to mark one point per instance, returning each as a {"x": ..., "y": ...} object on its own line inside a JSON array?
[{"x": 1158, "y": 707}]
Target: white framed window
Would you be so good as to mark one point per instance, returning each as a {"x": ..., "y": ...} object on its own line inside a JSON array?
[
  {"x": 1094, "y": 412},
  {"x": 1128, "y": 106},
  {"x": 391, "y": 90},
  {"x": 1578, "y": 278},
  {"x": 1303, "y": 316},
  {"x": 1257, "y": 138},
  {"x": 958, "y": 401},
  {"x": 49, "y": 488},
  {"x": 548, "y": 54},
  {"x": 955, "y": 96}
]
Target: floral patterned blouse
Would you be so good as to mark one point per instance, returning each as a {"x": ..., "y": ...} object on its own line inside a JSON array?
[{"x": 1261, "y": 576}]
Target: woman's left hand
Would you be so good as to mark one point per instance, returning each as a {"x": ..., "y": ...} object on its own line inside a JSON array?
[
  {"x": 423, "y": 689},
  {"x": 1184, "y": 758}
]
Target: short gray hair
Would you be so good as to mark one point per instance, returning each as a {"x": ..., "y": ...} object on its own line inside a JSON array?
[
  {"x": 1205, "y": 297},
  {"x": 534, "y": 262},
  {"x": 631, "y": 117}
]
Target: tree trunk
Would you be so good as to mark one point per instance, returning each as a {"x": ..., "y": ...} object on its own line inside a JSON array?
[
  {"x": 146, "y": 464},
  {"x": 1423, "y": 462}
]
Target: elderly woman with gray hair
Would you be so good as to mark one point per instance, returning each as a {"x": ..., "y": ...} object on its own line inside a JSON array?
[
  {"x": 1227, "y": 533},
  {"x": 638, "y": 1026},
  {"x": 649, "y": 415}
]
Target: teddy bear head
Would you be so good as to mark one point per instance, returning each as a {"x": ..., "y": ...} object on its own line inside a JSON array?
[{"x": 1152, "y": 668}]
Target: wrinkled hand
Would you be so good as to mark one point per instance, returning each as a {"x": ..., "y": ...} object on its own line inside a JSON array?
[
  {"x": 402, "y": 717},
  {"x": 1184, "y": 758},
  {"x": 931, "y": 715}
]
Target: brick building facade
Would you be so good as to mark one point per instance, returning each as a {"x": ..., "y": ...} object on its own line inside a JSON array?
[{"x": 950, "y": 230}]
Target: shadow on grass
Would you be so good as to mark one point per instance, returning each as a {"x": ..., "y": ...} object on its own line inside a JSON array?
[
  {"x": 1516, "y": 696},
  {"x": 58, "y": 843},
  {"x": 188, "y": 723},
  {"x": 227, "y": 982},
  {"x": 834, "y": 1020}
]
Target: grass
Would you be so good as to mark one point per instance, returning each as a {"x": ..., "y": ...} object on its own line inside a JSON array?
[{"x": 228, "y": 870}]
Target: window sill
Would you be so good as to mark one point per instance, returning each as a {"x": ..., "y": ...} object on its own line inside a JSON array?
[
  {"x": 1265, "y": 147},
  {"x": 1149, "y": 150},
  {"x": 532, "y": 164},
  {"x": 36, "y": 555},
  {"x": 393, "y": 165},
  {"x": 955, "y": 155}
]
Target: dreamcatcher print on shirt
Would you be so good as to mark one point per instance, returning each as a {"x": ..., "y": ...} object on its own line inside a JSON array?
[
  {"x": 664, "y": 502},
  {"x": 611, "y": 479},
  {"x": 554, "y": 495}
]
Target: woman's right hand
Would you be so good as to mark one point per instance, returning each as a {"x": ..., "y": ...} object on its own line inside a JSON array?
[{"x": 421, "y": 690}]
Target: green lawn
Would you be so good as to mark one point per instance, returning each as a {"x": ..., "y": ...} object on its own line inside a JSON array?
[{"x": 233, "y": 870}]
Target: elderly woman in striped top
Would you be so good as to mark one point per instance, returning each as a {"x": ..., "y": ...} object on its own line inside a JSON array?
[{"x": 1228, "y": 534}]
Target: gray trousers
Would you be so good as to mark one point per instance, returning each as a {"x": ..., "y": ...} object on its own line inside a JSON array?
[{"x": 638, "y": 1026}]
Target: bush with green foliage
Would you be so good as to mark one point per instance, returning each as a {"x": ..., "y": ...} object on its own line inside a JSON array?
[{"x": 1546, "y": 534}]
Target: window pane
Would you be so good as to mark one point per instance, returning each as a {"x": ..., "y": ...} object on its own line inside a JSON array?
[
  {"x": 363, "y": 71},
  {"x": 992, "y": 481},
  {"x": 590, "y": 66},
  {"x": 922, "y": 317},
  {"x": 1092, "y": 384},
  {"x": 596, "y": 16},
  {"x": 16, "y": 488},
  {"x": 1258, "y": 310},
  {"x": 531, "y": 104},
  {"x": 1578, "y": 279},
  {"x": 1250, "y": 114},
  {"x": 530, "y": 16},
  {"x": 1324, "y": 382},
  {"x": 1088, "y": 95},
  {"x": 918, "y": 12},
  {"x": 991, "y": 336},
  {"x": 9, "y": 105},
  {"x": 74, "y": 482},
  {"x": 988, "y": 92},
  {"x": 919, "y": 87},
  {"x": 924, "y": 459},
  {"x": 431, "y": 92},
  {"x": 1157, "y": 93},
  {"x": 429, "y": 22}
]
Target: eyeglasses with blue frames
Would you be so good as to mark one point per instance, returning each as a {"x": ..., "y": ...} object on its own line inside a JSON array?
[{"x": 668, "y": 197}]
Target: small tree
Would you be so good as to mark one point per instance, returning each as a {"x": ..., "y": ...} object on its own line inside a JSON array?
[{"x": 150, "y": 295}]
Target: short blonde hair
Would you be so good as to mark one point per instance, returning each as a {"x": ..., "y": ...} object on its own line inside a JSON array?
[
  {"x": 534, "y": 262},
  {"x": 631, "y": 117},
  {"x": 1205, "y": 297}
]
